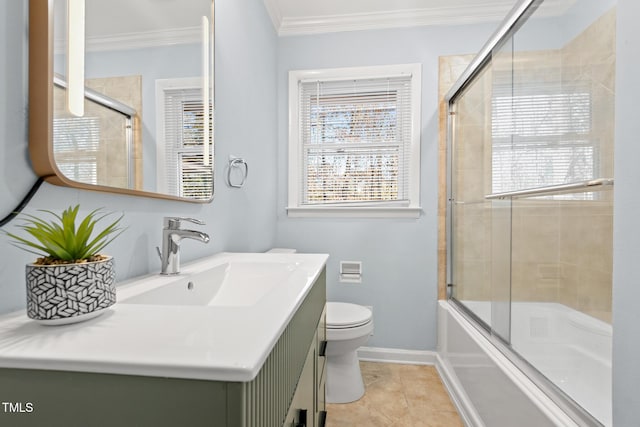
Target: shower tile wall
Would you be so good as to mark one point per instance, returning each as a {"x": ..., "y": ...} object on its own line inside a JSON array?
[
  {"x": 112, "y": 153},
  {"x": 128, "y": 90},
  {"x": 561, "y": 249}
]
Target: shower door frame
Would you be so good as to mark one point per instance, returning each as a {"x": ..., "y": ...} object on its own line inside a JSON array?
[{"x": 514, "y": 20}]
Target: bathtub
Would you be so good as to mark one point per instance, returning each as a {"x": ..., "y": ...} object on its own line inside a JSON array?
[{"x": 571, "y": 349}]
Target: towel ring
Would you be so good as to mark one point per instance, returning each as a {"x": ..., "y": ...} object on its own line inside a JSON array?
[{"x": 237, "y": 162}]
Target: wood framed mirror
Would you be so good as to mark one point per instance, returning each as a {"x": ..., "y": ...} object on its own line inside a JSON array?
[{"x": 146, "y": 97}]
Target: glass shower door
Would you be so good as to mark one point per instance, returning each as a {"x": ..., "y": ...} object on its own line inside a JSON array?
[
  {"x": 501, "y": 214},
  {"x": 471, "y": 234},
  {"x": 480, "y": 238},
  {"x": 561, "y": 135},
  {"x": 531, "y": 142}
]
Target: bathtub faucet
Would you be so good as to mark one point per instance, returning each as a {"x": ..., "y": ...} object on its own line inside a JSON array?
[{"x": 172, "y": 235}]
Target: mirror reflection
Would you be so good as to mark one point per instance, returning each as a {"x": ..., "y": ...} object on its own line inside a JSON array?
[{"x": 147, "y": 98}]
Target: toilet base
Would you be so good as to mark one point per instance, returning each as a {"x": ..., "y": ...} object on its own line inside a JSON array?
[{"x": 344, "y": 379}]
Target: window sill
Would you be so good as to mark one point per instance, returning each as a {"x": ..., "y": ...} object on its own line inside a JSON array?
[{"x": 354, "y": 212}]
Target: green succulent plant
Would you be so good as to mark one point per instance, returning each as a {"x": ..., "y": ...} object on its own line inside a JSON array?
[{"x": 60, "y": 241}]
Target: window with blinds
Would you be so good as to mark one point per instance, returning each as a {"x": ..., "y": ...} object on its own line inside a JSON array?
[
  {"x": 76, "y": 144},
  {"x": 356, "y": 140},
  {"x": 186, "y": 174},
  {"x": 542, "y": 136}
]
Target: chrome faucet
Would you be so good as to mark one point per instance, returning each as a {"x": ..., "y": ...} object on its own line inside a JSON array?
[{"x": 172, "y": 234}]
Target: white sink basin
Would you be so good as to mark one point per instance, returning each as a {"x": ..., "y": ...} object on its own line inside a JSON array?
[
  {"x": 232, "y": 283},
  {"x": 217, "y": 320}
]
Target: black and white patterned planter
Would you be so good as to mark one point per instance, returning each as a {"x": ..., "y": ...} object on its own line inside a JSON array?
[{"x": 69, "y": 293}]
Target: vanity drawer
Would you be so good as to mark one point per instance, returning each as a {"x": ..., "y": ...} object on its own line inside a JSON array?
[
  {"x": 302, "y": 404},
  {"x": 321, "y": 403},
  {"x": 320, "y": 400},
  {"x": 322, "y": 326},
  {"x": 322, "y": 343}
]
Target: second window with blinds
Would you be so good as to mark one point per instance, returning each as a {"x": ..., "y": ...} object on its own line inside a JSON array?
[
  {"x": 354, "y": 141},
  {"x": 181, "y": 169}
]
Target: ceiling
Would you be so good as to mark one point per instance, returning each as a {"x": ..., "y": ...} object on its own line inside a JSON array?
[{"x": 293, "y": 17}]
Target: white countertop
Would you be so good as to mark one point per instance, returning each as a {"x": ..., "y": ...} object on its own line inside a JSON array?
[{"x": 196, "y": 342}]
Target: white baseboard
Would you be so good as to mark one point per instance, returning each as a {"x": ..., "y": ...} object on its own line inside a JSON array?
[{"x": 395, "y": 355}]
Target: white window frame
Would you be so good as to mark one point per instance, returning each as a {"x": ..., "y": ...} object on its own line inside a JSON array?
[
  {"x": 163, "y": 85},
  {"x": 295, "y": 207}
]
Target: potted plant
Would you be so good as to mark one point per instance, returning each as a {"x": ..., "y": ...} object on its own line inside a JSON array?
[{"x": 70, "y": 281}]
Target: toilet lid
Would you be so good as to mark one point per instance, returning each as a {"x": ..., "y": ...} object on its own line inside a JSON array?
[{"x": 345, "y": 315}]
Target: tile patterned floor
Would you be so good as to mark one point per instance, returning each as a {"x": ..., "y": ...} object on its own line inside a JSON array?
[{"x": 397, "y": 396}]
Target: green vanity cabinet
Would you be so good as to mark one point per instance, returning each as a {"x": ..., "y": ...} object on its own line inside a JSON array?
[
  {"x": 321, "y": 371},
  {"x": 308, "y": 407},
  {"x": 301, "y": 410},
  {"x": 291, "y": 380}
]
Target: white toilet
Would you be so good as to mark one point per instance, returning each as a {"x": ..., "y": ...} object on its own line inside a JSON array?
[{"x": 348, "y": 327}]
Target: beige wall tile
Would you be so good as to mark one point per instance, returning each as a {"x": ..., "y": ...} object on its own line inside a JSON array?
[{"x": 561, "y": 249}]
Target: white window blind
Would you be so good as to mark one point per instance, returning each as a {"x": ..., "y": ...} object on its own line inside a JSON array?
[
  {"x": 76, "y": 144},
  {"x": 186, "y": 174},
  {"x": 542, "y": 136},
  {"x": 356, "y": 141}
]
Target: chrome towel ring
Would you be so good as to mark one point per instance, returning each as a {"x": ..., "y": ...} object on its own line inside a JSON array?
[{"x": 237, "y": 163}]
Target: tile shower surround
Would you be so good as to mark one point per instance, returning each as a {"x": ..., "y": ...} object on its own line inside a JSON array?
[{"x": 577, "y": 270}]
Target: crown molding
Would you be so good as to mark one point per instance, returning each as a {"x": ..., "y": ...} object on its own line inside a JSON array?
[
  {"x": 138, "y": 40},
  {"x": 481, "y": 12},
  {"x": 393, "y": 19},
  {"x": 274, "y": 13}
]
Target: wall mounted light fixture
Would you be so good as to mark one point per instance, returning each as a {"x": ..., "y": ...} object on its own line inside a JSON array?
[
  {"x": 75, "y": 57},
  {"x": 205, "y": 88}
]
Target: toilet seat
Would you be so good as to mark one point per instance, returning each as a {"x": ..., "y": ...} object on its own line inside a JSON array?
[
  {"x": 352, "y": 333},
  {"x": 342, "y": 315}
]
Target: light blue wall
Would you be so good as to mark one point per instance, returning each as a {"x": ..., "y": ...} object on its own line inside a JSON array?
[
  {"x": 626, "y": 216},
  {"x": 399, "y": 256},
  {"x": 237, "y": 220}
]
